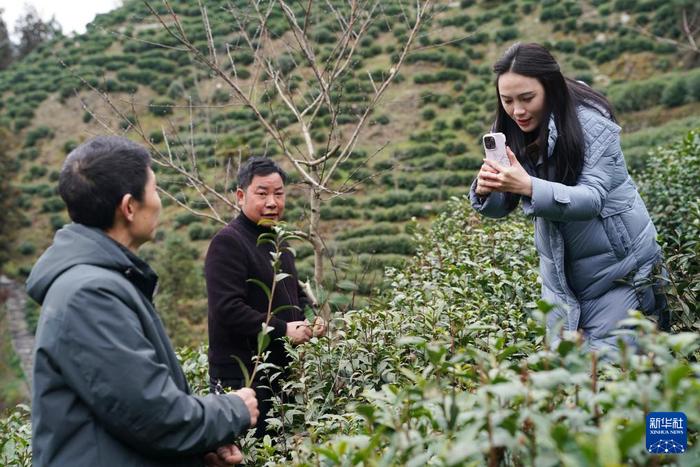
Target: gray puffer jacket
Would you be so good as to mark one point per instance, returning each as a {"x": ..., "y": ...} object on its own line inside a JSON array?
[
  {"x": 595, "y": 240},
  {"x": 108, "y": 389}
]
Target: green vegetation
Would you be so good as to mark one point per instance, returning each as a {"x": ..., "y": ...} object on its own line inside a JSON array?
[
  {"x": 454, "y": 356},
  {"x": 15, "y": 437},
  {"x": 641, "y": 145},
  {"x": 430, "y": 121},
  {"x": 669, "y": 187},
  {"x": 671, "y": 90},
  {"x": 8, "y": 194},
  {"x": 181, "y": 299},
  {"x": 13, "y": 388}
]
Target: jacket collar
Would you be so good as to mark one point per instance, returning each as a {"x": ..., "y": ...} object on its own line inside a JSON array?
[
  {"x": 552, "y": 136},
  {"x": 140, "y": 274},
  {"x": 251, "y": 226}
]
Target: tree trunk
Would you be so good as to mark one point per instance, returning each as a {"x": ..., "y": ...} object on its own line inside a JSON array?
[
  {"x": 319, "y": 251},
  {"x": 315, "y": 236}
]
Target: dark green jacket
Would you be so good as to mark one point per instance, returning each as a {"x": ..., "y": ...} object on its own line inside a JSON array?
[{"x": 108, "y": 390}]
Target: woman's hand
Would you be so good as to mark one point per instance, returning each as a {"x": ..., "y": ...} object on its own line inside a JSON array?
[
  {"x": 513, "y": 179},
  {"x": 481, "y": 190}
]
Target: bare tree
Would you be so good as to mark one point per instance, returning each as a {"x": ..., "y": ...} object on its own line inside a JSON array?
[
  {"x": 294, "y": 76},
  {"x": 6, "y": 49},
  {"x": 34, "y": 31}
]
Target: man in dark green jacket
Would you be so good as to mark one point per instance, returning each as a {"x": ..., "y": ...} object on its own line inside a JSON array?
[{"x": 108, "y": 390}]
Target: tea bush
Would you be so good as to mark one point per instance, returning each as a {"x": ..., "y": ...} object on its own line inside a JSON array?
[
  {"x": 401, "y": 213},
  {"x": 15, "y": 437},
  {"x": 669, "y": 186},
  {"x": 383, "y": 228},
  {"x": 199, "y": 231},
  {"x": 398, "y": 244},
  {"x": 161, "y": 107},
  {"x": 37, "y": 134},
  {"x": 452, "y": 366}
]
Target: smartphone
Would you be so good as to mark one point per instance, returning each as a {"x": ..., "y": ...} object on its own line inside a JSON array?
[{"x": 495, "y": 148}]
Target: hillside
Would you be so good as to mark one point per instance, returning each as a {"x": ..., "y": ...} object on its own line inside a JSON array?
[{"x": 420, "y": 148}]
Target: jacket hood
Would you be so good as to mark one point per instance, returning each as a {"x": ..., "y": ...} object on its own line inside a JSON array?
[{"x": 75, "y": 244}]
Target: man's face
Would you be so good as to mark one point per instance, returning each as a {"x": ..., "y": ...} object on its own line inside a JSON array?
[
  {"x": 146, "y": 212},
  {"x": 263, "y": 199}
]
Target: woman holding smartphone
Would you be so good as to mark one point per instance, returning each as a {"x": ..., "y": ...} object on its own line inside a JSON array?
[{"x": 596, "y": 242}]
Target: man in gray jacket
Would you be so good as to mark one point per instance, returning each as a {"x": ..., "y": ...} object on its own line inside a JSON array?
[{"x": 108, "y": 390}]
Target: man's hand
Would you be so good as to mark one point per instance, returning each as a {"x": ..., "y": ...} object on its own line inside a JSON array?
[
  {"x": 513, "y": 179},
  {"x": 248, "y": 396},
  {"x": 299, "y": 331},
  {"x": 224, "y": 456},
  {"x": 319, "y": 327}
]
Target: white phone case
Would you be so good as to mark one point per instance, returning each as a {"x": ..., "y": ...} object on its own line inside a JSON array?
[{"x": 498, "y": 153}]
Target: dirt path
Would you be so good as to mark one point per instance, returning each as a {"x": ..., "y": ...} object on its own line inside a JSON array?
[{"x": 22, "y": 339}]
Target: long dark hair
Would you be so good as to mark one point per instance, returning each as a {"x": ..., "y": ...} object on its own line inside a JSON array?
[{"x": 562, "y": 96}]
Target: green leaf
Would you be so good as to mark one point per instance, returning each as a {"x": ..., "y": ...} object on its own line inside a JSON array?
[
  {"x": 454, "y": 413},
  {"x": 329, "y": 453},
  {"x": 309, "y": 314},
  {"x": 508, "y": 352},
  {"x": 347, "y": 285},
  {"x": 266, "y": 238},
  {"x": 560, "y": 435},
  {"x": 410, "y": 341},
  {"x": 632, "y": 435},
  {"x": 268, "y": 223},
  {"x": 565, "y": 347},
  {"x": 608, "y": 450},
  {"x": 281, "y": 276},
  {"x": 544, "y": 307},
  {"x": 367, "y": 411},
  {"x": 262, "y": 285},
  {"x": 684, "y": 342},
  {"x": 676, "y": 374},
  {"x": 339, "y": 300},
  {"x": 284, "y": 307},
  {"x": 244, "y": 370},
  {"x": 263, "y": 341}
]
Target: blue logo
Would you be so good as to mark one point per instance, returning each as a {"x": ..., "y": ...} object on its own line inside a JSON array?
[{"x": 667, "y": 433}]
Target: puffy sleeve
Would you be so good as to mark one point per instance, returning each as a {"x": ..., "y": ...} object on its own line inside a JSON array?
[
  {"x": 585, "y": 200},
  {"x": 496, "y": 204}
]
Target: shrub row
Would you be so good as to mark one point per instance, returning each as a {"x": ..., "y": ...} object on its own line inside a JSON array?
[
  {"x": 670, "y": 91},
  {"x": 398, "y": 244},
  {"x": 403, "y": 213}
]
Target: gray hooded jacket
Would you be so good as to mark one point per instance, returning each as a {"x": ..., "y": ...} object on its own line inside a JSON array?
[
  {"x": 590, "y": 236},
  {"x": 108, "y": 389}
]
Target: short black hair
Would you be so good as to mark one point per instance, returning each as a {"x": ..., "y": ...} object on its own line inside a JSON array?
[
  {"x": 97, "y": 174},
  {"x": 258, "y": 166}
]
